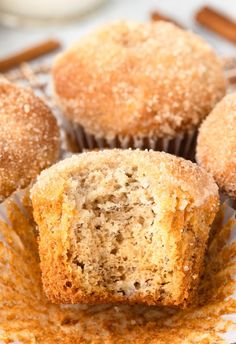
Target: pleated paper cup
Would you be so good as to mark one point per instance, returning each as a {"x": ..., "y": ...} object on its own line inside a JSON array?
[
  {"x": 182, "y": 145},
  {"x": 27, "y": 316}
]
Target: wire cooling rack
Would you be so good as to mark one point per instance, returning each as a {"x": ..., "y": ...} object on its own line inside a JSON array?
[{"x": 38, "y": 76}]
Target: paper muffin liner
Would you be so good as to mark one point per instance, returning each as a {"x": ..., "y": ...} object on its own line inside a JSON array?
[
  {"x": 18, "y": 198},
  {"x": 224, "y": 198},
  {"x": 182, "y": 145},
  {"x": 33, "y": 319}
]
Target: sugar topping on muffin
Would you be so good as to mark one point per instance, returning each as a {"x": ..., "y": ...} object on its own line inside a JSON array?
[
  {"x": 29, "y": 137},
  {"x": 138, "y": 79},
  {"x": 216, "y": 147}
]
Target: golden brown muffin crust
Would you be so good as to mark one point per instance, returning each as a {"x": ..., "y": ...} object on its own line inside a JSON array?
[
  {"x": 185, "y": 201},
  {"x": 29, "y": 137},
  {"x": 138, "y": 79},
  {"x": 216, "y": 146}
]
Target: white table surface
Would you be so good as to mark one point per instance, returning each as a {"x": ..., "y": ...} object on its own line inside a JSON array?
[{"x": 13, "y": 39}]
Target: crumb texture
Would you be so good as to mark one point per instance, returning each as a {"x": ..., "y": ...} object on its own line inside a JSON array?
[
  {"x": 216, "y": 146},
  {"x": 29, "y": 137},
  {"x": 123, "y": 226},
  {"x": 138, "y": 79}
]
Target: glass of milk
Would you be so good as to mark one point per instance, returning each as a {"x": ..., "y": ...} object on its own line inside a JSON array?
[{"x": 14, "y": 12}]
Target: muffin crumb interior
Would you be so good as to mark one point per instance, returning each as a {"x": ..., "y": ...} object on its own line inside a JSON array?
[{"x": 116, "y": 221}]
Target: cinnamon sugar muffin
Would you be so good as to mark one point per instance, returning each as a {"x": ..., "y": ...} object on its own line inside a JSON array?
[
  {"x": 216, "y": 148},
  {"x": 29, "y": 137},
  {"x": 122, "y": 226},
  {"x": 145, "y": 85}
]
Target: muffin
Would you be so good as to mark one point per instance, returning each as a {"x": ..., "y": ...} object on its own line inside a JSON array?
[
  {"x": 216, "y": 144},
  {"x": 143, "y": 85},
  {"x": 123, "y": 226},
  {"x": 29, "y": 137}
]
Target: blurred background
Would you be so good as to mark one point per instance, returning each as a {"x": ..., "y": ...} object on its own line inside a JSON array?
[{"x": 24, "y": 23}]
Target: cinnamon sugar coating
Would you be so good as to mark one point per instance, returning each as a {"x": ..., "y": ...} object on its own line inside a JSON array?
[
  {"x": 123, "y": 226},
  {"x": 216, "y": 146},
  {"x": 138, "y": 79},
  {"x": 29, "y": 137}
]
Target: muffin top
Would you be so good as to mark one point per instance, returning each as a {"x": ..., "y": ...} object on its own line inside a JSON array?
[
  {"x": 29, "y": 137},
  {"x": 138, "y": 79},
  {"x": 216, "y": 146},
  {"x": 169, "y": 171}
]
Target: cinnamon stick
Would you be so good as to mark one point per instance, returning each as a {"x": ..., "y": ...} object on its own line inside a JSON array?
[
  {"x": 231, "y": 75},
  {"x": 29, "y": 54},
  {"x": 232, "y": 80},
  {"x": 217, "y": 22},
  {"x": 155, "y": 16}
]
